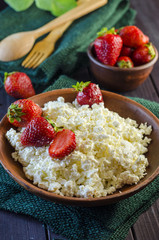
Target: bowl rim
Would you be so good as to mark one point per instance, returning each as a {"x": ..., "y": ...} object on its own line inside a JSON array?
[
  {"x": 76, "y": 201},
  {"x": 114, "y": 68}
]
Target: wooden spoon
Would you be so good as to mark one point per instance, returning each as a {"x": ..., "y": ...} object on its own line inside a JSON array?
[{"x": 17, "y": 45}]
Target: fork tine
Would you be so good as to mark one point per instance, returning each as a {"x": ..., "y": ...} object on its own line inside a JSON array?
[
  {"x": 40, "y": 61},
  {"x": 28, "y": 58},
  {"x": 45, "y": 47},
  {"x": 32, "y": 60}
]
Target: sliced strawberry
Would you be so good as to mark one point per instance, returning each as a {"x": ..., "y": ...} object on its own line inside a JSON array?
[
  {"x": 63, "y": 144},
  {"x": 39, "y": 132},
  {"x": 22, "y": 111},
  {"x": 88, "y": 93}
]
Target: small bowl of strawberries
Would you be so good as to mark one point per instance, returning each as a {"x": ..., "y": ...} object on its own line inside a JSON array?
[{"x": 121, "y": 59}]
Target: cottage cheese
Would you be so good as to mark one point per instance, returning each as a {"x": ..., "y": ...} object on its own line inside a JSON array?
[{"x": 109, "y": 153}]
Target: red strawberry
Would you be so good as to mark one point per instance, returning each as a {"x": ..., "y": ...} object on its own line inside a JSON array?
[
  {"x": 126, "y": 51},
  {"x": 63, "y": 144},
  {"x": 133, "y": 36},
  {"x": 108, "y": 47},
  {"x": 18, "y": 85},
  {"x": 143, "y": 54},
  {"x": 88, "y": 93},
  {"x": 124, "y": 62},
  {"x": 39, "y": 132},
  {"x": 22, "y": 111}
]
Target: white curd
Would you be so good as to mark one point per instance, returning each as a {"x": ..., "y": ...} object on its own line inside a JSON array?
[{"x": 109, "y": 153}]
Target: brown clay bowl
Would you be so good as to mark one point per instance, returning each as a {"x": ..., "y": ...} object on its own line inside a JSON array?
[
  {"x": 119, "y": 79},
  {"x": 122, "y": 105}
]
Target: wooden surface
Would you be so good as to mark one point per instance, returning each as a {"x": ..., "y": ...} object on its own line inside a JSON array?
[{"x": 20, "y": 227}]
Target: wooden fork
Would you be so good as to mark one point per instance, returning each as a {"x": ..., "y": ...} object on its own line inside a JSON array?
[{"x": 45, "y": 47}]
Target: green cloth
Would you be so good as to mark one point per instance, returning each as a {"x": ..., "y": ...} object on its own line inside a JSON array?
[
  {"x": 107, "y": 223},
  {"x": 70, "y": 52}
]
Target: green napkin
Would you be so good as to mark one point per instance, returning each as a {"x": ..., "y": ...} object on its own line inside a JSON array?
[
  {"x": 70, "y": 52},
  {"x": 108, "y": 222}
]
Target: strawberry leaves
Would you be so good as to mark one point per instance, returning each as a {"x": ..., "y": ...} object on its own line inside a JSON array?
[
  {"x": 14, "y": 113},
  {"x": 105, "y": 30},
  {"x": 53, "y": 124},
  {"x": 80, "y": 86}
]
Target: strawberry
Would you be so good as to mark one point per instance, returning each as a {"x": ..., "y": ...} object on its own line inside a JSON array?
[
  {"x": 132, "y": 36},
  {"x": 143, "y": 54},
  {"x": 22, "y": 111},
  {"x": 18, "y": 85},
  {"x": 39, "y": 132},
  {"x": 124, "y": 62},
  {"x": 126, "y": 51},
  {"x": 88, "y": 93},
  {"x": 108, "y": 46},
  {"x": 63, "y": 144}
]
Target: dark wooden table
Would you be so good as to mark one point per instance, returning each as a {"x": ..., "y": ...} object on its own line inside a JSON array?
[{"x": 19, "y": 227}]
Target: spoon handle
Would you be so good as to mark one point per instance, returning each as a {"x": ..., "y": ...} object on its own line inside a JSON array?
[{"x": 71, "y": 15}]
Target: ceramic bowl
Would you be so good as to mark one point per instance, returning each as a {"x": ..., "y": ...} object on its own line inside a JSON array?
[
  {"x": 122, "y": 105},
  {"x": 119, "y": 79}
]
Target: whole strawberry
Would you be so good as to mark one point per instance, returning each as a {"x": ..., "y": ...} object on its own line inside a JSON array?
[
  {"x": 108, "y": 46},
  {"x": 132, "y": 36},
  {"x": 63, "y": 144},
  {"x": 39, "y": 132},
  {"x": 22, "y": 111},
  {"x": 126, "y": 51},
  {"x": 124, "y": 62},
  {"x": 143, "y": 54},
  {"x": 18, "y": 85},
  {"x": 88, "y": 93}
]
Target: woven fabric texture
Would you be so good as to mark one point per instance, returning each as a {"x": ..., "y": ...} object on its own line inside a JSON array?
[
  {"x": 70, "y": 52},
  {"x": 107, "y": 223}
]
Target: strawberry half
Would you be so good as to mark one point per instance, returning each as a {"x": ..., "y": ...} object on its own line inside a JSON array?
[
  {"x": 22, "y": 111},
  {"x": 124, "y": 62},
  {"x": 108, "y": 46},
  {"x": 143, "y": 54},
  {"x": 63, "y": 144},
  {"x": 39, "y": 132},
  {"x": 88, "y": 93},
  {"x": 18, "y": 85},
  {"x": 132, "y": 36}
]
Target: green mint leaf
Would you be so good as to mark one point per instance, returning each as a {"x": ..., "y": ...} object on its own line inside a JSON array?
[
  {"x": 56, "y": 7},
  {"x": 19, "y": 5}
]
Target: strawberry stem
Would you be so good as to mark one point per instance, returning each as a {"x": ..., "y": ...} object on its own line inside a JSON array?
[
  {"x": 14, "y": 113},
  {"x": 105, "y": 30},
  {"x": 53, "y": 124},
  {"x": 124, "y": 64},
  {"x": 7, "y": 74},
  {"x": 151, "y": 50},
  {"x": 80, "y": 86}
]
